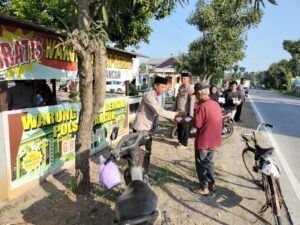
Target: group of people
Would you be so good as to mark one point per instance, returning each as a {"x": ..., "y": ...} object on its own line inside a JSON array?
[
  {"x": 201, "y": 104},
  {"x": 234, "y": 97}
]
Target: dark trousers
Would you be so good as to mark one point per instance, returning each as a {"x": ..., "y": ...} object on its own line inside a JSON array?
[
  {"x": 238, "y": 112},
  {"x": 183, "y": 133},
  {"x": 146, "y": 160},
  {"x": 205, "y": 167}
]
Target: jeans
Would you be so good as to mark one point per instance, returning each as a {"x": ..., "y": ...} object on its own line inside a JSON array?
[{"x": 205, "y": 167}]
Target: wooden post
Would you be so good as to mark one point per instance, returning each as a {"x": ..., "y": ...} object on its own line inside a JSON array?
[{"x": 127, "y": 87}]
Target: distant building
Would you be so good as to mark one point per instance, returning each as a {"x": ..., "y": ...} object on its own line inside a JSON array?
[{"x": 164, "y": 67}]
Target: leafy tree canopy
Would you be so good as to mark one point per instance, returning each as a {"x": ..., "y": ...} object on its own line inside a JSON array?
[
  {"x": 127, "y": 21},
  {"x": 223, "y": 25}
]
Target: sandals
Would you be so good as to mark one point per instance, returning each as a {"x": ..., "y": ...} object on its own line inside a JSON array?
[
  {"x": 212, "y": 188},
  {"x": 201, "y": 191}
]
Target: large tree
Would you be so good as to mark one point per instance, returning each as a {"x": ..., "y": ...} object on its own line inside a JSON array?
[
  {"x": 293, "y": 47},
  {"x": 89, "y": 25},
  {"x": 223, "y": 26}
]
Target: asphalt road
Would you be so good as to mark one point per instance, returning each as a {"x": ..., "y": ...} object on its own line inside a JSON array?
[{"x": 284, "y": 113}]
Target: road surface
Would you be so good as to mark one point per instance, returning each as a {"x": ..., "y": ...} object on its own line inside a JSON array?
[{"x": 284, "y": 113}]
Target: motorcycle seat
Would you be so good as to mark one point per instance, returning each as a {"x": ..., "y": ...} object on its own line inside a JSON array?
[
  {"x": 149, "y": 219},
  {"x": 137, "y": 201}
]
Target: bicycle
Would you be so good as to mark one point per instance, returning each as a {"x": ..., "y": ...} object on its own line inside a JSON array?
[{"x": 263, "y": 171}]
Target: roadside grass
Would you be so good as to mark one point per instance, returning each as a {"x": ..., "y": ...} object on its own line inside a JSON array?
[
  {"x": 5, "y": 209},
  {"x": 290, "y": 93}
]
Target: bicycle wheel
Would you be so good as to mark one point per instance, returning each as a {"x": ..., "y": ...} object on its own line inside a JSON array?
[
  {"x": 274, "y": 199},
  {"x": 249, "y": 162}
]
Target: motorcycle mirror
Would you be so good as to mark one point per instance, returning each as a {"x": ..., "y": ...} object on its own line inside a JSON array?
[{"x": 114, "y": 133}]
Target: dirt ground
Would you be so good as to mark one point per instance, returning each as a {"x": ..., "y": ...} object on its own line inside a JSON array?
[{"x": 236, "y": 201}]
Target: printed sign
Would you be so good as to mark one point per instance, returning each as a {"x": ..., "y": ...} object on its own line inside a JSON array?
[
  {"x": 297, "y": 82},
  {"x": 42, "y": 139},
  {"x": 26, "y": 54},
  {"x": 32, "y": 160}
]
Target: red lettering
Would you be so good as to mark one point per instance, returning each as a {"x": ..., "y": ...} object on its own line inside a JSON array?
[
  {"x": 39, "y": 47},
  {"x": 1, "y": 63},
  {"x": 32, "y": 42},
  {"x": 18, "y": 53},
  {"x": 25, "y": 44},
  {"x": 7, "y": 55}
]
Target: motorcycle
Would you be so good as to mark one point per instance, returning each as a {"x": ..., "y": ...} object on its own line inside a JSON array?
[
  {"x": 138, "y": 203},
  {"x": 227, "y": 124}
]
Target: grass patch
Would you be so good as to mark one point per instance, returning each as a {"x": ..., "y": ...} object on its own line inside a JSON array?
[
  {"x": 5, "y": 209},
  {"x": 290, "y": 93},
  {"x": 193, "y": 173}
]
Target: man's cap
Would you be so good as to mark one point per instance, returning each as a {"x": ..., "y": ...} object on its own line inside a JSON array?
[
  {"x": 160, "y": 80},
  {"x": 185, "y": 74},
  {"x": 200, "y": 86}
]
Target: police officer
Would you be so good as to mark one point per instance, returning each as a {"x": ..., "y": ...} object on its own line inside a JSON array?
[
  {"x": 185, "y": 103},
  {"x": 150, "y": 107}
]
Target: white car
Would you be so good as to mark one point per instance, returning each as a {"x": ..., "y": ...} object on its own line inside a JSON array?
[{"x": 116, "y": 86}]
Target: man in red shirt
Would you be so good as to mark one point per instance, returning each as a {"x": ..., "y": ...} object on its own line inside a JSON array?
[{"x": 208, "y": 121}]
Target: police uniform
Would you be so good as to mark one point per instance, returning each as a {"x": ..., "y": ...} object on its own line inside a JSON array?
[
  {"x": 149, "y": 108},
  {"x": 184, "y": 103}
]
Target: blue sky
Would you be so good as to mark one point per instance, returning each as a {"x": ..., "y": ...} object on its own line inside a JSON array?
[{"x": 264, "y": 45}]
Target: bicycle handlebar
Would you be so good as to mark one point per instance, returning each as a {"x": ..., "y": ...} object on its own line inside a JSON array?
[
  {"x": 255, "y": 131},
  {"x": 263, "y": 124}
]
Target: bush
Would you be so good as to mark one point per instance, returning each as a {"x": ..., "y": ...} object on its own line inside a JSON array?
[{"x": 132, "y": 90}]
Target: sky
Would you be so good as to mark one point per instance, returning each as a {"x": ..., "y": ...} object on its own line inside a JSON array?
[{"x": 173, "y": 34}]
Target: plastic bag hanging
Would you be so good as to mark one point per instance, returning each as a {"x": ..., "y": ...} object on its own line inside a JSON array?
[{"x": 109, "y": 174}]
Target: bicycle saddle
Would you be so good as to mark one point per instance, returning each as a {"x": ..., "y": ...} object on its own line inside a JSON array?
[
  {"x": 263, "y": 152},
  {"x": 136, "y": 201}
]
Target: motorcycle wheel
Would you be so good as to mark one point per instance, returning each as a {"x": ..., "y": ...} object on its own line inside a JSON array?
[
  {"x": 174, "y": 133},
  {"x": 227, "y": 129}
]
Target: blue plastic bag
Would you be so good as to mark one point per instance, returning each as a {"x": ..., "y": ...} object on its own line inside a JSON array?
[{"x": 109, "y": 174}]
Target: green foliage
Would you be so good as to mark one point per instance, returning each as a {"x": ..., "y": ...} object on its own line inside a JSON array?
[
  {"x": 278, "y": 75},
  {"x": 126, "y": 22},
  {"x": 143, "y": 68},
  {"x": 181, "y": 63},
  {"x": 293, "y": 47},
  {"x": 257, "y": 3},
  {"x": 132, "y": 90},
  {"x": 223, "y": 25}
]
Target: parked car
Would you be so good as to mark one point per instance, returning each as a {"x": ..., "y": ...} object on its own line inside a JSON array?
[{"x": 117, "y": 86}]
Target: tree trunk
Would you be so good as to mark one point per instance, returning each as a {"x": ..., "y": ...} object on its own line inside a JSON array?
[
  {"x": 99, "y": 78},
  {"x": 82, "y": 173}
]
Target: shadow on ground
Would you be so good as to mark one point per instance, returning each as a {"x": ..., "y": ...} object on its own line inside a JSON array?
[{"x": 62, "y": 207}]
